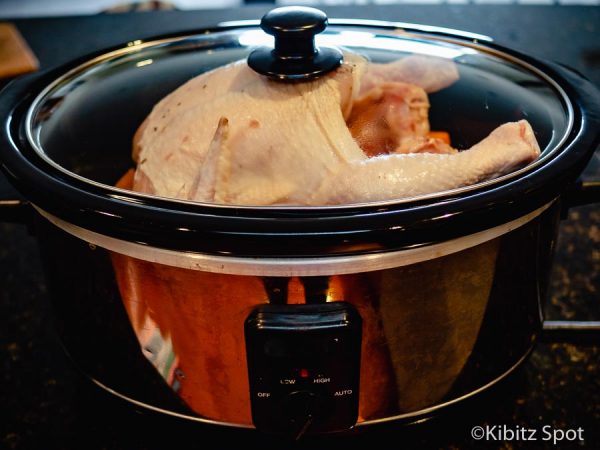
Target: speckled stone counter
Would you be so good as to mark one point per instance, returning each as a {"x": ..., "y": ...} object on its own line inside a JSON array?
[{"x": 46, "y": 404}]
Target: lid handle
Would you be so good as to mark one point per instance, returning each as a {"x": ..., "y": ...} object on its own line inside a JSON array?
[{"x": 295, "y": 56}]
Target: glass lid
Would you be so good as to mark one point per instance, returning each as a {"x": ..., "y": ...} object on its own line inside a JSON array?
[{"x": 83, "y": 124}]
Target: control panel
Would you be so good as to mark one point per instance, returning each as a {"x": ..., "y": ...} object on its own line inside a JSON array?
[{"x": 303, "y": 367}]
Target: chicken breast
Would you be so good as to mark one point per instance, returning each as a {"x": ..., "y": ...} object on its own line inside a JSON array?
[
  {"x": 262, "y": 142},
  {"x": 232, "y": 136}
]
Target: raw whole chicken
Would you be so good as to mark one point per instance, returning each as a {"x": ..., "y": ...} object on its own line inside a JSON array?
[{"x": 360, "y": 134}]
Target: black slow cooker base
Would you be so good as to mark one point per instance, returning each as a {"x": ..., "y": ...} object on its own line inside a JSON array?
[
  {"x": 97, "y": 333},
  {"x": 130, "y": 423}
]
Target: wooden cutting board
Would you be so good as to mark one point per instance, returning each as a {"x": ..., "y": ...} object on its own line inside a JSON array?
[{"x": 16, "y": 57}]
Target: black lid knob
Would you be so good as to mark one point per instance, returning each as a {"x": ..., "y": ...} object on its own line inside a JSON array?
[{"x": 295, "y": 56}]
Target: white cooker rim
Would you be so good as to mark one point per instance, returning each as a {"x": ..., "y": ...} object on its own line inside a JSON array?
[{"x": 290, "y": 267}]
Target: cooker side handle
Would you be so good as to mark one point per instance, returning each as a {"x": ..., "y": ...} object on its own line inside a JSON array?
[
  {"x": 574, "y": 331},
  {"x": 582, "y": 193},
  {"x": 579, "y": 194},
  {"x": 13, "y": 207},
  {"x": 571, "y": 331}
]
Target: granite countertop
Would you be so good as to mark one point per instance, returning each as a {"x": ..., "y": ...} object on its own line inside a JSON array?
[{"x": 46, "y": 404}]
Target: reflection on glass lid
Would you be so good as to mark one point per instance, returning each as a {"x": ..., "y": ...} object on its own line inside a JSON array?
[{"x": 395, "y": 122}]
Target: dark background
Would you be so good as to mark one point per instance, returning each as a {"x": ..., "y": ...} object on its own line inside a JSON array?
[{"x": 46, "y": 404}]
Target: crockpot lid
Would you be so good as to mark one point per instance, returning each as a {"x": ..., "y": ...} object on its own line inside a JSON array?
[
  {"x": 77, "y": 123},
  {"x": 75, "y": 130}
]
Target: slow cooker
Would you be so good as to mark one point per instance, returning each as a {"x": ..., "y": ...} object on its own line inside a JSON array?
[{"x": 295, "y": 320}]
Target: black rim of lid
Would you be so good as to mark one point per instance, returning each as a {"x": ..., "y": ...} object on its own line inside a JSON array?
[{"x": 293, "y": 232}]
